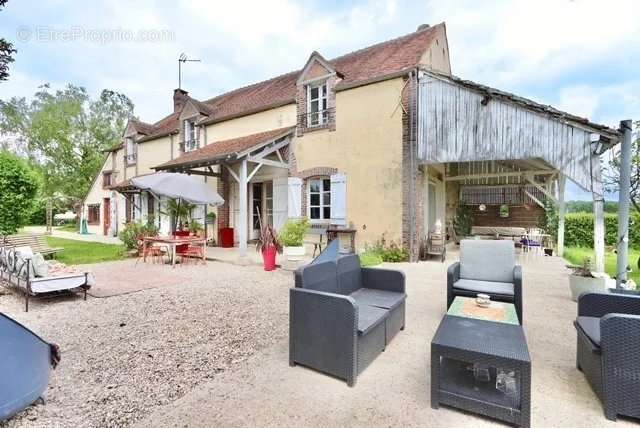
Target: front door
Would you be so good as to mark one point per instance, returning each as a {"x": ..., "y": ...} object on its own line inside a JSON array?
[
  {"x": 106, "y": 215},
  {"x": 256, "y": 209}
]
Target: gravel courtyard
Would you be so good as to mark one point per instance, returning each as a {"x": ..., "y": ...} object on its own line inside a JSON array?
[{"x": 125, "y": 356}]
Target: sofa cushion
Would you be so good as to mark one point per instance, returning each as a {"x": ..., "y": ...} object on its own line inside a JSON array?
[
  {"x": 349, "y": 274},
  {"x": 491, "y": 287},
  {"x": 487, "y": 260},
  {"x": 378, "y": 298},
  {"x": 369, "y": 317},
  {"x": 318, "y": 277},
  {"x": 591, "y": 327}
]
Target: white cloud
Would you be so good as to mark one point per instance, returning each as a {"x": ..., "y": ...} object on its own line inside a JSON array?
[{"x": 509, "y": 44}]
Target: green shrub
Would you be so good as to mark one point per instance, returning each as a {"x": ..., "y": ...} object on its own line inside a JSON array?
[
  {"x": 389, "y": 251},
  {"x": 370, "y": 258},
  {"x": 19, "y": 185},
  {"x": 293, "y": 232},
  {"x": 463, "y": 221},
  {"x": 579, "y": 230},
  {"x": 129, "y": 235}
]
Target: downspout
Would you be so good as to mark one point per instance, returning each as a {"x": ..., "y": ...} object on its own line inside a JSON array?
[
  {"x": 412, "y": 165},
  {"x": 624, "y": 196}
]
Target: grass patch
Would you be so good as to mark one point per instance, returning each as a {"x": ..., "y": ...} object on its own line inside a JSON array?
[
  {"x": 82, "y": 252},
  {"x": 575, "y": 255},
  {"x": 68, "y": 228},
  {"x": 370, "y": 258}
]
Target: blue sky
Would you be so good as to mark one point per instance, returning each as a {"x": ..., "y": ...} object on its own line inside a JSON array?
[{"x": 577, "y": 55}]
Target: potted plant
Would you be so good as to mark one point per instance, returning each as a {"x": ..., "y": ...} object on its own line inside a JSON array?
[
  {"x": 268, "y": 244},
  {"x": 195, "y": 227},
  {"x": 582, "y": 280},
  {"x": 292, "y": 238}
]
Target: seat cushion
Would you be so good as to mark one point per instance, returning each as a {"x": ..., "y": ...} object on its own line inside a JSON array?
[
  {"x": 318, "y": 276},
  {"x": 369, "y": 317},
  {"x": 490, "y": 287},
  {"x": 487, "y": 260},
  {"x": 591, "y": 327},
  {"x": 378, "y": 298}
]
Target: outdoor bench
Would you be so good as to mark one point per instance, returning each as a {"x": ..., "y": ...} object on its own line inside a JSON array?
[{"x": 343, "y": 316}]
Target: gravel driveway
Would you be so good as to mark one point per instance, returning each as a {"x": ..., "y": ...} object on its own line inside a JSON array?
[{"x": 125, "y": 356}]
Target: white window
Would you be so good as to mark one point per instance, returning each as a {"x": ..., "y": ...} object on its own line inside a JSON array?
[
  {"x": 190, "y": 136},
  {"x": 132, "y": 151},
  {"x": 317, "y": 113},
  {"x": 319, "y": 199}
]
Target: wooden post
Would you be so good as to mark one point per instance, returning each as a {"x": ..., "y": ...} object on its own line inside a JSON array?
[
  {"x": 561, "y": 212},
  {"x": 598, "y": 232},
  {"x": 244, "y": 215}
]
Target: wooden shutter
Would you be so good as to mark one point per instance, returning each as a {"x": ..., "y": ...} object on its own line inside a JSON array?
[
  {"x": 339, "y": 199},
  {"x": 294, "y": 205},
  {"x": 280, "y": 202}
]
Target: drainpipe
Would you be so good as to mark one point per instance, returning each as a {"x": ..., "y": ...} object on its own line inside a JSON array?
[
  {"x": 412, "y": 166},
  {"x": 623, "y": 204}
]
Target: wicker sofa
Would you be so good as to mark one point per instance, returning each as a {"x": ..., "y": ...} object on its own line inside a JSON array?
[
  {"x": 343, "y": 316},
  {"x": 608, "y": 350},
  {"x": 487, "y": 267}
]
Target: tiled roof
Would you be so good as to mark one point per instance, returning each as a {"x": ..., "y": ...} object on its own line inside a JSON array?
[
  {"x": 225, "y": 149},
  {"x": 359, "y": 67},
  {"x": 356, "y": 68}
]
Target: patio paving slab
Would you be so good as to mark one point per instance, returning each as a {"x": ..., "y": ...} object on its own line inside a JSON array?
[{"x": 394, "y": 389}]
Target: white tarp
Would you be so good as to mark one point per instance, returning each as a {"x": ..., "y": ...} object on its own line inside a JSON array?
[{"x": 178, "y": 186}]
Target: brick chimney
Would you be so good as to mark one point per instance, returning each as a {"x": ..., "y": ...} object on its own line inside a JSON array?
[{"x": 180, "y": 97}]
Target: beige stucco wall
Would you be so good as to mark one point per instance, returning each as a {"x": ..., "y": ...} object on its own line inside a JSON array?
[
  {"x": 246, "y": 125},
  {"x": 367, "y": 147},
  {"x": 97, "y": 194},
  {"x": 437, "y": 56},
  {"x": 153, "y": 153}
]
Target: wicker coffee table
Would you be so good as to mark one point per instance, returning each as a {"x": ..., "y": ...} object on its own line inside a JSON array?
[{"x": 483, "y": 367}]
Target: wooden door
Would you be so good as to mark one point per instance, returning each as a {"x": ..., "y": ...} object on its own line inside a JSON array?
[{"x": 106, "y": 215}]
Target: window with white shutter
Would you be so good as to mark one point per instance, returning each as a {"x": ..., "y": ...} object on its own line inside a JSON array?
[
  {"x": 338, "y": 199},
  {"x": 294, "y": 197}
]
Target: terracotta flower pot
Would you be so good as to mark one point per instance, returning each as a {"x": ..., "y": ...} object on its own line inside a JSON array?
[{"x": 269, "y": 258}]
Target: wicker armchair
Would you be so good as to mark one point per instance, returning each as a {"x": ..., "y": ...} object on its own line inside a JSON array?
[
  {"x": 342, "y": 316},
  {"x": 489, "y": 267},
  {"x": 608, "y": 351}
]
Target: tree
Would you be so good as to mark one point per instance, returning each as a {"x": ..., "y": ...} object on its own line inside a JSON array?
[
  {"x": 65, "y": 133},
  {"x": 612, "y": 172},
  {"x": 6, "y": 53},
  {"x": 19, "y": 184}
]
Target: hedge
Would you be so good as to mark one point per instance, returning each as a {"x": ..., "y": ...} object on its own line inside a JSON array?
[{"x": 578, "y": 230}]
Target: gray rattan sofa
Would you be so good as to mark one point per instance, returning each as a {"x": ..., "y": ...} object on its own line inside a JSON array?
[
  {"x": 343, "y": 316},
  {"x": 608, "y": 352},
  {"x": 489, "y": 267}
]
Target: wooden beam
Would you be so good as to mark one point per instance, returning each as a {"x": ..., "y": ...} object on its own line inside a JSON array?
[
  {"x": 268, "y": 162},
  {"x": 255, "y": 169},
  {"x": 561, "y": 213},
  {"x": 496, "y": 175},
  {"x": 198, "y": 172},
  {"x": 530, "y": 178},
  {"x": 232, "y": 172},
  {"x": 536, "y": 200},
  {"x": 244, "y": 214}
]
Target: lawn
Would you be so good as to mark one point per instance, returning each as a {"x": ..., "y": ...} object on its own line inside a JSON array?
[
  {"x": 575, "y": 255},
  {"x": 72, "y": 227},
  {"x": 82, "y": 252}
]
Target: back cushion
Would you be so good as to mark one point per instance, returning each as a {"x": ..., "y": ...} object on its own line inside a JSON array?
[
  {"x": 349, "y": 274},
  {"x": 487, "y": 260},
  {"x": 318, "y": 276}
]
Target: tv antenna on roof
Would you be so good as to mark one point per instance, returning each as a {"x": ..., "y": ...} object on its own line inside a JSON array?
[{"x": 181, "y": 59}]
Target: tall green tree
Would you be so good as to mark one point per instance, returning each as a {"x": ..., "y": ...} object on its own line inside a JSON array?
[
  {"x": 19, "y": 184},
  {"x": 612, "y": 171},
  {"x": 65, "y": 133},
  {"x": 6, "y": 52}
]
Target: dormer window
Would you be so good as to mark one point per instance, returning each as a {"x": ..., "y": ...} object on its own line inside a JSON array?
[
  {"x": 317, "y": 104},
  {"x": 190, "y": 135},
  {"x": 131, "y": 154}
]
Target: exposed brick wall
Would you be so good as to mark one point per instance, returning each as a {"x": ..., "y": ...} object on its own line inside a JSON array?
[
  {"x": 305, "y": 175},
  {"x": 301, "y": 108},
  {"x": 519, "y": 216},
  {"x": 412, "y": 213},
  {"x": 223, "y": 190}
]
